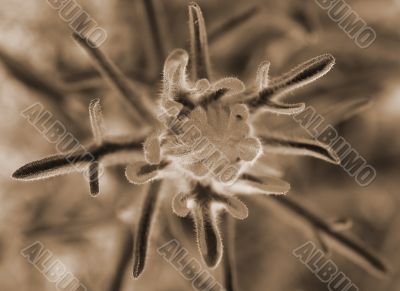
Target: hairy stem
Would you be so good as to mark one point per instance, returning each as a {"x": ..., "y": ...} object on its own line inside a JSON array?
[{"x": 144, "y": 228}]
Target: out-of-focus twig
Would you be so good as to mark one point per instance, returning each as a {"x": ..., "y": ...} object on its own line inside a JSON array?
[
  {"x": 232, "y": 23},
  {"x": 118, "y": 80},
  {"x": 229, "y": 259},
  {"x": 52, "y": 91},
  {"x": 123, "y": 262},
  {"x": 353, "y": 250},
  {"x": 157, "y": 22}
]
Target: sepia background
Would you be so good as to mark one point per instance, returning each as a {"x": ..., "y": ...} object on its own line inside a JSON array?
[{"x": 93, "y": 236}]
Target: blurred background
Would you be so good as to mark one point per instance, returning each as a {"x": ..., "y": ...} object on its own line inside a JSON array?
[{"x": 40, "y": 62}]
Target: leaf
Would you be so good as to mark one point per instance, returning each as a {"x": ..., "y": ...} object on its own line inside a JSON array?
[
  {"x": 200, "y": 58},
  {"x": 298, "y": 146},
  {"x": 96, "y": 120}
]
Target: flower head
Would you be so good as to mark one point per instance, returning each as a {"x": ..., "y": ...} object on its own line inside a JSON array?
[
  {"x": 207, "y": 141},
  {"x": 204, "y": 137}
]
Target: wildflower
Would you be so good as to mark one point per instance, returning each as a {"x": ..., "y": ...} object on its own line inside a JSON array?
[{"x": 204, "y": 137}]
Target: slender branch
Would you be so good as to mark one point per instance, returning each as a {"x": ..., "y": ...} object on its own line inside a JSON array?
[
  {"x": 117, "y": 79},
  {"x": 67, "y": 228},
  {"x": 351, "y": 249},
  {"x": 232, "y": 23},
  {"x": 79, "y": 161},
  {"x": 156, "y": 22},
  {"x": 230, "y": 273},
  {"x": 53, "y": 90},
  {"x": 123, "y": 263},
  {"x": 54, "y": 165},
  {"x": 31, "y": 77},
  {"x": 87, "y": 77}
]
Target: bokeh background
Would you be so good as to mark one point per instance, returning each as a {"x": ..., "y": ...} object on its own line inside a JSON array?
[{"x": 93, "y": 236}]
